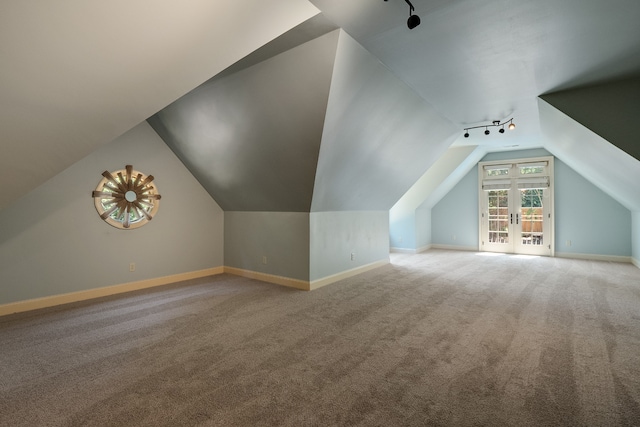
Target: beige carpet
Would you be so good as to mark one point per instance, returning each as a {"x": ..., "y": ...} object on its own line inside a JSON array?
[{"x": 442, "y": 338}]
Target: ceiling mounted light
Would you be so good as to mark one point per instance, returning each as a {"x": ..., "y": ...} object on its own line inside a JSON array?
[
  {"x": 414, "y": 20},
  {"x": 495, "y": 123}
]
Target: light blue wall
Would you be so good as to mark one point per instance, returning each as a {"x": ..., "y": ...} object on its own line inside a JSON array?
[
  {"x": 52, "y": 240},
  {"x": 635, "y": 236},
  {"x": 281, "y": 237},
  {"x": 423, "y": 228},
  {"x": 454, "y": 219},
  {"x": 402, "y": 226},
  {"x": 593, "y": 221},
  {"x": 336, "y": 235}
]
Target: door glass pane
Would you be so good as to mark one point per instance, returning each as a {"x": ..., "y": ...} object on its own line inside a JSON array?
[
  {"x": 498, "y": 216},
  {"x": 531, "y": 216}
]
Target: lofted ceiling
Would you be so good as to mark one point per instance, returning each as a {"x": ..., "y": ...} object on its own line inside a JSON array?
[
  {"x": 482, "y": 60},
  {"x": 78, "y": 73}
]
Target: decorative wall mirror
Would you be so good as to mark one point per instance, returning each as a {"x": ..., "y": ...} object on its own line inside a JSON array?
[{"x": 126, "y": 199}]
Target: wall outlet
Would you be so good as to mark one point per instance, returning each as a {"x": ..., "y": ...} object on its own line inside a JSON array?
[
  {"x": 353, "y": 256},
  {"x": 453, "y": 237},
  {"x": 264, "y": 259},
  {"x": 568, "y": 242},
  {"x": 132, "y": 266},
  {"x": 400, "y": 239}
]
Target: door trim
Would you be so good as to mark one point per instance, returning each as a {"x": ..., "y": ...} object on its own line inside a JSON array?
[{"x": 499, "y": 179}]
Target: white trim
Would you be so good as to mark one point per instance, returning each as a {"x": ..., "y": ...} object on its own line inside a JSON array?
[
  {"x": 532, "y": 164},
  {"x": 455, "y": 248},
  {"x": 269, "y": 278},
  {"x": 635, "y": 262},
  {"x": 493, "y": 166},
  {"x": 53, "y": 300},
  {"x": 423, "y": 248},
  {"x": 496, "y": 184},
  {"x": 318, "y": 283},
  {"x": 595, "y": 257},
  {"x": 403, "y": 250},
  {"x": 410, "y": 251}
]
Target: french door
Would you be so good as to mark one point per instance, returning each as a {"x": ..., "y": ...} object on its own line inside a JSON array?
[{"x": 516, "y": 208}]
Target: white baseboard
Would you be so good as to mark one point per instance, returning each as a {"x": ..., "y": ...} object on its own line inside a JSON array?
[
  {"x": 455, "y": 247},
  {"x": 50, "y": 301},
  {"x": 410, "y": 251},
  {"x": 635, "y": 262},
  {"x": 595, "y": 257},
  {"x": 403, "y": 251},
  {"x": 269, "y": 278},
  {"x": 318, "y": 283}
]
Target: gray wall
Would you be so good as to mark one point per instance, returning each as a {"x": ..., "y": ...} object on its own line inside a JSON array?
[
  {"x": 52, "y": 240},
  {"x": 282, "y": 237},
  {"x": 335, "y": 235},
  {"x": 601, "y": 228}
]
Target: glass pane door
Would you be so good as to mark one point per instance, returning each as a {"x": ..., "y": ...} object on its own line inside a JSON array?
[
  {"x": 531, "y": 227},
  {"x": 497, "y": 223}
]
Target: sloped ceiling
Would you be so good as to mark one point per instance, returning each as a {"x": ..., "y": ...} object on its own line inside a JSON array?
[
  {"x": 611, "y": 110},
  {"x": 606, "y": 166},
  {"x": 379, "y": 136},
  {"x": 481, "y": 60},
  {"x": 78, "y": 73},
  {"x": 252, "y": 137}
]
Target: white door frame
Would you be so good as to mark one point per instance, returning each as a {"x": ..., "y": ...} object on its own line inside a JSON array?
[{"x": 515, "y": 175}]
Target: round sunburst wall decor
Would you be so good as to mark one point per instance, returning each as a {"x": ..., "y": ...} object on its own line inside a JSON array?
[{"x": 126, "y": 199}]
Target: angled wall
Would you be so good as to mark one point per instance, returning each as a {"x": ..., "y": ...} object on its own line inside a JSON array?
[
  {"x": 603, "y": 164},
  {"x": 379, "y": 137},
  {"x": 409, "y": 231},
  {"x": 252, "y": 137},
  {"x": 53, "y": 242},
  {"x": 610, "y": 110}
]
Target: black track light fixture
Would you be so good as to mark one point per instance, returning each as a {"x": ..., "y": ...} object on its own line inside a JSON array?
[
  {"x": 414, "y": 20},
  {"x": 495, "y": 123}
]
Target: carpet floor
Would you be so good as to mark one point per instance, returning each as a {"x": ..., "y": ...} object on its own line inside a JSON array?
[{"x": 442, "y": 338}]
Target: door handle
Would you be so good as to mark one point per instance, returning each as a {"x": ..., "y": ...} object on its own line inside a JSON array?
[
  {"x": 517, "y": 215},
  {"x": 511, "y": 218}
]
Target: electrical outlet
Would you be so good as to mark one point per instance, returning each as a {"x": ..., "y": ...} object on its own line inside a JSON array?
[
  {"x": 400, "y": 239},
  {"x": 568, "y": 242},
  {"x": 264, "y": 259},
  {"x": 353, "y": 256},
  {"x": 453, "y": 237},
  {"x": 132, "y": 266}
]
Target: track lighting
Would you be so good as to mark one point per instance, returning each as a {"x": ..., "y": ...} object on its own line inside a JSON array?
[
  {"x": 495, "y": 123},
  {"x": 414, "y": 20}
]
